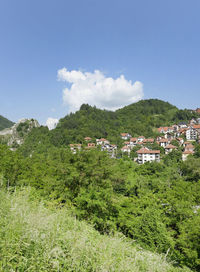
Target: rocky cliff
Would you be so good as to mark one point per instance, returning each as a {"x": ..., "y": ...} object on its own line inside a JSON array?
[{"x": 15, "y": 135}]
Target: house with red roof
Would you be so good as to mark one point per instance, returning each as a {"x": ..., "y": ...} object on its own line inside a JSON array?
[
  {"x": 126, "y": 149},
  {"x": 75, "y": 147},
  {"x": 133, "y": 141},
  {"x": 125, "y": 136},
  {"x": 169, "y": 148},
  {"x": 148, "y": 141},
  {"x": 147, "y": 155},
  {"x": 141, "y": 139},
  {"x": 189, "y": 147},
  {"x": 185, "y": 154},
  {"x": 165, "y": 130},
  {"x": 163, "y": 142},
  {"x": 90, "y": 146},
  {"x": 87, "y": 139},
  {"x": 102, "y": 141}
]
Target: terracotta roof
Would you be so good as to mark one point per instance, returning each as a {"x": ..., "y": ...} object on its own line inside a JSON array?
[
  {"x": 125, "y": 148},
  {"x": 124, "y": 134},
  {"x": 87, "y": 138},
  {"x": 164, "y": 129},
  {"x": 188, "y": 152},
  {"x": 75, "y": 145},
  {"x": 150, "y": 140},
  {"x": 163, "y": 141},
  {"x": 141, "y": 137},
  {"x": 189, "y": 145},
  {"x": 126, "y": 143},
  {"x": 170, "y": 146},
  {"x": 145, "y": 150},
  {"x": 196, "y": 126},
  {"x": 133, "y": 139}
]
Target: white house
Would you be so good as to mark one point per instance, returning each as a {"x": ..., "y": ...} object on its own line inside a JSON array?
[
  {"x": 191, "y": 134},
  {"x": 126, "y": 149},
  {"x": 165, "y": 130},
  {"x": 163, "y": 142},
  {"x": 185, "y": 154},
  {"x": 189, "y": 147},
  {"x": 147, "y": 155},
  {"x": 182, "y": 125},
  {"x": 125, "y": 136},
  {"x": 102, "y": 141},
  {"x": 169, "y": 148},
  {"x": 141, "y": 139},
  {"x": 75, "y": 147},
  {"x": 133, "y": 141}
]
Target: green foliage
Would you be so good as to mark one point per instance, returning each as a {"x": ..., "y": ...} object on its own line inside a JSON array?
[
  {"x": 5, "y": 123},
  {"x": 141, "y": 118},
  {"x": 191, "y": 169},
  {"x": 34, "y": 236},
  {"x": 185, "y": 115},
  {"x": 151, "y": 203}
]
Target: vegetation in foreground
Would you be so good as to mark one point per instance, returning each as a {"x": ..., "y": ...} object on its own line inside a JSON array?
[
  {"x": 34, "y": 237},
  {"x": 157, "y": 205}
]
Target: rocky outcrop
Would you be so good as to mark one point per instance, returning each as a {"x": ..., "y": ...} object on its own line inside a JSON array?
[{"x": 15, "y": 135}]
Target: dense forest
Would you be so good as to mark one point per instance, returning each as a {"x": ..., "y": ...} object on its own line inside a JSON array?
[{"x": 155, "y": 206}]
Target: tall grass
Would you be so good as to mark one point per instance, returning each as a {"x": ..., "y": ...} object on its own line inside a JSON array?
[{"x": 36, "y": 238}]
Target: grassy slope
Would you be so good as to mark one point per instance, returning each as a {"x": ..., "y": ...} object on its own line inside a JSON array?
[
  {"x": 5, "y": 123},
  {"x": 35, "y": 238}
]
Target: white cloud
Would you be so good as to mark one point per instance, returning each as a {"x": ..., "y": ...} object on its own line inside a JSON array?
[
  {"x": 96, "y": 89},
  {"x": 51, "y": 123}
]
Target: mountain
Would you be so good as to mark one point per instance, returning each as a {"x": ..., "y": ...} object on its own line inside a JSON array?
[
  {"x": 5, "y": 123},
  {"x": 141, "y": 118}
]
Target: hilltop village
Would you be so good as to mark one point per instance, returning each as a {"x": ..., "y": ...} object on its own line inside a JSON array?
[{"x": 183, "y": 137}]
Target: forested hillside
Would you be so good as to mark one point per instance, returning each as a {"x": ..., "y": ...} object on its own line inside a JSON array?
[
  {"x": 141, "y": 118},
  {"x": 5, "y": 123}
]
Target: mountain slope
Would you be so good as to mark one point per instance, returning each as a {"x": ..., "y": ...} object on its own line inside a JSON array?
[
  {"x": 140, "y": 118},
  {"x": 5, "y": 123}
]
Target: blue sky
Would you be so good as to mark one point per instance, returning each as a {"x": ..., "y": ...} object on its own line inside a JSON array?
[{"x": 155, "y": 43}]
